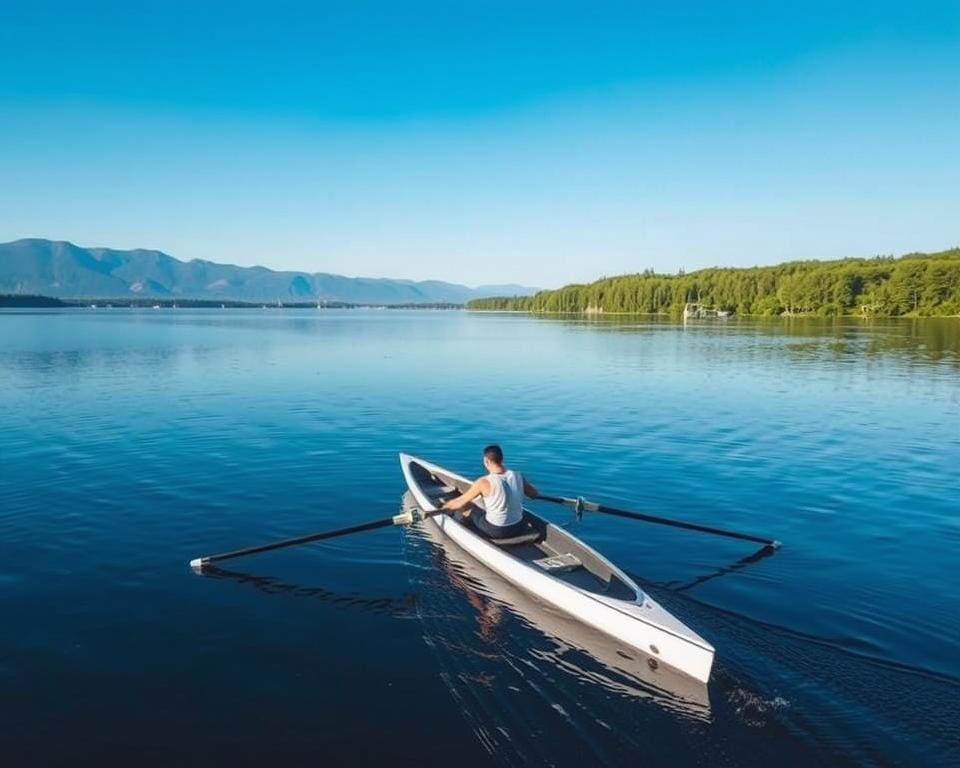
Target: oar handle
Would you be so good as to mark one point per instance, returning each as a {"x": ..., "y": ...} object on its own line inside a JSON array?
[{"x": 580, "y": 504}]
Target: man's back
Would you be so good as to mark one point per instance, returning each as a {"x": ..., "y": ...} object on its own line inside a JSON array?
[
  {"x": 502, "y": 490},
  {"x": 504, "y": 502}
]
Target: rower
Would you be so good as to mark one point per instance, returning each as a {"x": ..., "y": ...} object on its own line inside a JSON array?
[{"x": 502, "y": 490}]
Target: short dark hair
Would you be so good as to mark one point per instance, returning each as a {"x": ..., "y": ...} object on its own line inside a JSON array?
[{"x": 493, "y": 452}]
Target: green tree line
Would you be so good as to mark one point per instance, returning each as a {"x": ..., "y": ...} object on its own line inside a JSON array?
[{"x": 918, "y": 284}]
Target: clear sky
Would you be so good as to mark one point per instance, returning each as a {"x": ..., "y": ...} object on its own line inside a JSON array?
[{"x": 527, "y": 142}]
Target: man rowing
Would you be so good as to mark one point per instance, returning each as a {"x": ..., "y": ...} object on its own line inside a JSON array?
[{"x": 502, "y": 490}]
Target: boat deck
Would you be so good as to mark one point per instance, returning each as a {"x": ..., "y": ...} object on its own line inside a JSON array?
[{"x": 591, "y": 574}]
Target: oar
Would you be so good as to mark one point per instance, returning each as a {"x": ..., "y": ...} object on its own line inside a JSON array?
[
  {"x": 580, "y": 504},
  {"x": 404, "y": 518}
]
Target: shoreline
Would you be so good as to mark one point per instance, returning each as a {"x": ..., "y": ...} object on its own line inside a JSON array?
[
  {"x": 16, "y": 301},
  {"x": 670, "y": 315}
]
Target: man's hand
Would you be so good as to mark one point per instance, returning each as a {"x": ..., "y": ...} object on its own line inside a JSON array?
[
  {"x": 479, "y": 487},
  {"x": 529, "y": 489}
]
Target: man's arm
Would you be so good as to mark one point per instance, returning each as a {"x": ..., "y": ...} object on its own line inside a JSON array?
[
  {"x": 480, "y": 486},
  {"x": 529, "y": 489}
]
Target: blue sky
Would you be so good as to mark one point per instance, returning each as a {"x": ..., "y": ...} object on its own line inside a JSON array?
[{"x": 540, "y": 143}]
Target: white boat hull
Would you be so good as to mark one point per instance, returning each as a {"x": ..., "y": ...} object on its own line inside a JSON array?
[{"x": 641, "y": 624}]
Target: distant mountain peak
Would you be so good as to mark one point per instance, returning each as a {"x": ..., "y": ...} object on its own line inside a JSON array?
[{"x": 61, "y": 269}]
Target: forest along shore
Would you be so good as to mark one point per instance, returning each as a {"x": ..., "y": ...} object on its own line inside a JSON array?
[{"x": 914, "y": 285}]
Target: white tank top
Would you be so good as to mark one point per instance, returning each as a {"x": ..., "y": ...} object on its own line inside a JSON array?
[{"x": 504, "y": 503}]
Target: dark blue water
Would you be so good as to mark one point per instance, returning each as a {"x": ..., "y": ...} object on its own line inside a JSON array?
[{"x": 133, "y": 441}]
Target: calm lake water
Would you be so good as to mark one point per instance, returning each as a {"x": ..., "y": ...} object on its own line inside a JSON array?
[{"x": 133, "y": 441}]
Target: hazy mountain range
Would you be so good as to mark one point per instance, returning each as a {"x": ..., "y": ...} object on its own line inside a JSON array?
[{"x": 64, "y": 270}]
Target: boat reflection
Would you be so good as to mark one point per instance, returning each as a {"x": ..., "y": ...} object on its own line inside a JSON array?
[{"x": 584, "y": 653}]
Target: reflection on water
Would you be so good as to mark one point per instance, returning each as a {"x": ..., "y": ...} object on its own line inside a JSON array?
[
  {"x": 935, "y": 339},
  {"x": 538, "y": 688},
  {"x": 743, "y": 562},
  {"x": 134, "y": 441},
  {"x": 273, "y": 585},
  {"x": 529, "y": 696},
  {"x": 619, "y": 669}
]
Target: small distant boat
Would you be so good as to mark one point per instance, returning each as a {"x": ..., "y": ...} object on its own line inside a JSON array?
[
  {"x": 557, "y": 567},
  {"x": 93, "y": 306},
  {"x": 156, "y": 306},
  {"x": 693, "y": 311}
]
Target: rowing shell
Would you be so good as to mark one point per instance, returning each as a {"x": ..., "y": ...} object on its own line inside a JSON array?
[{"x": 558, "y": 568}]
